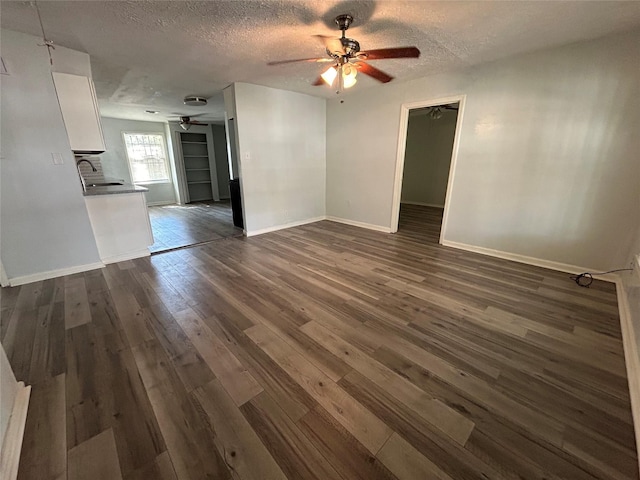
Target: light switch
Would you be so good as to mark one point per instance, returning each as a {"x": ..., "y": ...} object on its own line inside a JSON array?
[{"x": 57, "y": 159}]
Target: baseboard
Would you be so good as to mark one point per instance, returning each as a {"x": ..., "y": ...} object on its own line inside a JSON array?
[
  {"x": 538, "y": 262},
  {"x": 421, "y": 204},
  {"x": 37, "y": 277},
  {"x": 252, "y": 233},
  {"x": 126, "y": 256},
  {"x": 631, "y": 358},
  {"x": 354, "y": 223},
  {"x": 12, "y": 443},
  {"x": 159, "y": 204}
]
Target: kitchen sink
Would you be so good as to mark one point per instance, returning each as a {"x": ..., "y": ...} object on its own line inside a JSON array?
[{"x": 104, "y": 184}]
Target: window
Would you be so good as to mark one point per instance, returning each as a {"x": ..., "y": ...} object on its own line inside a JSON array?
[{"x": 147, "y": 157}]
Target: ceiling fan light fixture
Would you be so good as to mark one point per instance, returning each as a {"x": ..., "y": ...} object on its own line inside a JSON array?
[
  {"x": 348, "y": 82},
  {"x": 185, "y": 125},
  {"x": 349, "y": 73},
  {"x": 346, "y": 56},
  {"x": 330, "y": 75}
]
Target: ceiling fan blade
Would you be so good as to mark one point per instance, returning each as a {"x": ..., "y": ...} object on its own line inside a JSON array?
[
  {"x": 284, "y": 62},
  {"x": 332, "y": 44},
  {"x": 319, "y": 81},
  {"x": 399, "y": 52},
  {"x": 373, "y": 72}
]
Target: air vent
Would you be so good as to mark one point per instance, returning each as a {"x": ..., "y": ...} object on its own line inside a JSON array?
[{"x": 194, "y": 101}]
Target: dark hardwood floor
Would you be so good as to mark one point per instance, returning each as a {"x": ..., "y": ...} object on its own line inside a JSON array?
[
  {"x": 323, "y": 351},
  {"x": 176, "y": 226}
]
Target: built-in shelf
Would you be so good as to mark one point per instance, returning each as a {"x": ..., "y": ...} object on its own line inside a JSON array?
[{"x": 197, "y": 165}]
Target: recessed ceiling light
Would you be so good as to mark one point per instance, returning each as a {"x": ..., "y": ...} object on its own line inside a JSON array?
[{"x": 152, "y": 111}]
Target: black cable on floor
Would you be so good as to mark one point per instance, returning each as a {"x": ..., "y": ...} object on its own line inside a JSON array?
[{"x": 589, "y": 276}]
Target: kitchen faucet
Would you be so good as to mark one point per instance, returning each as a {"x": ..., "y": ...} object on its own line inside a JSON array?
[
  {"x": 88, "y": 161},
  {"x": 78, "y": 162}
]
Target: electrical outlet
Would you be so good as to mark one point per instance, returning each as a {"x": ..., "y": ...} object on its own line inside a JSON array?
[{"x": 57, "y": 159}]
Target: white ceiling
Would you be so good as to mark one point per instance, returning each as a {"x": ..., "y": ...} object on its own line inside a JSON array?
[{"x": 150, "y": 54}]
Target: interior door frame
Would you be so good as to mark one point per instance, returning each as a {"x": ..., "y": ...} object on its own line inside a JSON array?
[{"x": 402, "y": 146}]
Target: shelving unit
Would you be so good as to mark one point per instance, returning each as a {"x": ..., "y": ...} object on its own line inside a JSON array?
[{"x": 197, "y": 166}]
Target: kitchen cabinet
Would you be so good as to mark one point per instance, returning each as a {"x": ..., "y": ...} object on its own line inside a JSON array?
[
  {"x": 120, "y": 225},
  {"x": 79, "y": 107}
]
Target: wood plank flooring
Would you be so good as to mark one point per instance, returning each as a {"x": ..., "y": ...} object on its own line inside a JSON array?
[
  {"x": 321, "y": 352},
  {"x": 176, "y": 226}
]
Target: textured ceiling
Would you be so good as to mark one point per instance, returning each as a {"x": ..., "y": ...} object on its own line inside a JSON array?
[{"x": 150, "y": 54}]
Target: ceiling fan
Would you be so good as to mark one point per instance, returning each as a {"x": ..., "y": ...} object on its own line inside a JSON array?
[
  {"x": 186, "y": 122},
  {"x": 347, "y": 58},
  {"x": 437, "y": 111}
]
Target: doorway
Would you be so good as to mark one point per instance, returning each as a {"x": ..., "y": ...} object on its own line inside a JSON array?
[
  {"x": 427, "y": 150},
  {"x": 203, "y": 213}
]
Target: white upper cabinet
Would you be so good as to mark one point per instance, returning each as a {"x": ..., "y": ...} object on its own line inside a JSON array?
[{"x": 79, "y": 107}]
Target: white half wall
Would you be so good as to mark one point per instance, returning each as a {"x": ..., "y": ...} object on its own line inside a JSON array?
[
  {"x": 45, "y": 225},
  {"x": 8, "y": 390},
  {"x": 427, "y": 158},
  {"x": 628, "y": 289},
  {"x": 281, "y": 137},
  {"x": 14, "y": 404},
  {"x": 547, "y": 165},
  {"x": 114, "y": 160}
]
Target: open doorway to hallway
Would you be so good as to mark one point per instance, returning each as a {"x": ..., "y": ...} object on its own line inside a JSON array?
[{"x": 430, "y": 135}]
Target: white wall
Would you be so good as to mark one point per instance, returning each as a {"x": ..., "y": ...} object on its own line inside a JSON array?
[
  {"x": 281, "y": 138},
  {"x": 114, "y": 160},
  {"x": 548, "y": 160},
  {"x": 45, "y": 225},
  {"x": 222, "y": 163},
  {"x": 229, "y": 95},
  {"x": 427, "y": 158}
]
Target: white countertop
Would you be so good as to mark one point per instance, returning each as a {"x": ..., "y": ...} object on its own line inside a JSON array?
[{"x": 114, "y": 189}]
